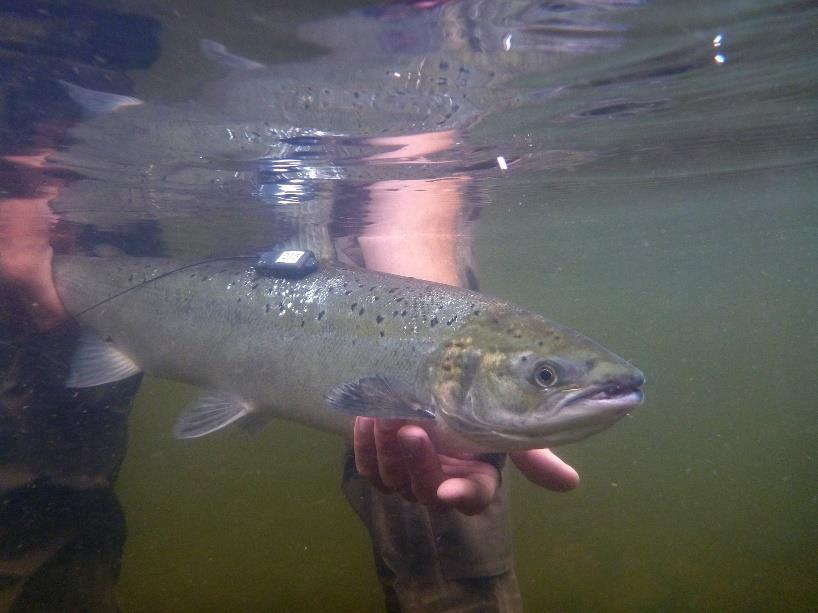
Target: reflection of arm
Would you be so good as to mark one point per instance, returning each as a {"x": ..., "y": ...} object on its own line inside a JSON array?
[
  {"x": 25, "y": 252},
  {"x": 413, "y": 229},
  {"x": 413, "y": 224}
]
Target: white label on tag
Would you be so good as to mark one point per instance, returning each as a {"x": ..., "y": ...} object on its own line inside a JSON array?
[{"x": 289, "y": 257}]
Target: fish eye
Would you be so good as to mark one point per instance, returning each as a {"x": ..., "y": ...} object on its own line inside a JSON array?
[{"x": 544, "y": 375}]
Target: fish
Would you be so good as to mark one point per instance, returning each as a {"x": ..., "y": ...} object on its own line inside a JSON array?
[{"x": 478, "y": 373}]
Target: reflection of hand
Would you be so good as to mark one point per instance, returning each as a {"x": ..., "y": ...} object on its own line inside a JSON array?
[{"x": 396, "y": 457}]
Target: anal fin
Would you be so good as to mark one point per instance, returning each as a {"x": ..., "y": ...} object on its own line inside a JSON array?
[{"x": 211, "y": 412}]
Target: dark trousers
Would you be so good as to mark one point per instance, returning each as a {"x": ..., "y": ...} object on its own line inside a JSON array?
[{"x": 435, "y": 561}]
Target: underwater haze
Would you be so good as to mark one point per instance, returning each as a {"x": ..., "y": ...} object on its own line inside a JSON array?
[{"x": 643, "y": 172}]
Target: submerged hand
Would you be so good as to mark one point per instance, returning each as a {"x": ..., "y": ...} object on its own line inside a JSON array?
[{"x": 397, "y": 457}]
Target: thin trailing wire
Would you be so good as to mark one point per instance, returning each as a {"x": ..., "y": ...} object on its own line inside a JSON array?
[{"x": 75, "y": 316}]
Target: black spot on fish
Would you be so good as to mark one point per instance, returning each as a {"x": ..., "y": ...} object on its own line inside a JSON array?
[
  {"x": 372, "y": 289},
  {"x": 302, "y": 323},
  {"x": 540, "y": 343},
  {"x": 353, "y": 306},
  {"x": 433, "y": 322},
  {"x": 379, "y": 318},
  {"x": 193, "y": 275},
  {"x": 399, "y": 299},
  {"x": 330, "y": 289},
  {"x": 320, "y": 315},
  {"x": 130, "y": 278},
  {"x": 403, "y": 313},
  {"x": 238, "y": 299},
  {"x": 281, "y": 307},
  {"x": 267, "y": 308},
  {"x": 348, "y": 292},
  {"x": 392, "y": 290},
  {"x": 376, "y": 298},
  {"x": 381, "y": 333},
  {"x": 361, "y": 312},
  {"x": 477, "y": 312},
  {"x": 394, "y": 313},
  {"x": 451, "y": 321},
  {"x": 254, "y": 286}
]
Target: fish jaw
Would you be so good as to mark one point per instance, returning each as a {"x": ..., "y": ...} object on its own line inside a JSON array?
[
  {"x": 580, "y": 414},
  {"x": 575, "y": 417}
]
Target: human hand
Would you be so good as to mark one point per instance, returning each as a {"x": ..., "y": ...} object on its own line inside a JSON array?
[{"x": 396, "y": 457}]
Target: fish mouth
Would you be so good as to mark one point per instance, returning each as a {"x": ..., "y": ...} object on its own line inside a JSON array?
[
  {"x": 583, "y": 412},
  {"x": 615, "y": 396},
  {"x": 579, "y": 413}
]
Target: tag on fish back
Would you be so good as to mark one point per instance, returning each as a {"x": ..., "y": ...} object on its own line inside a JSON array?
[{"x": 288, "y": 263}]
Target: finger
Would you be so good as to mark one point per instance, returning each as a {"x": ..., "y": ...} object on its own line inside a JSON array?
[
  {"x": 469, "y": 495},
  {"x": 422, "y": 463},
  {"x": 366, "y": 454},
  {"x": 390, "y": 455},
  {"x": 544, "y": 468}
]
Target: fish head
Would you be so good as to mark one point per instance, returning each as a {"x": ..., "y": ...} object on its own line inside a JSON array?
[{"x": 515, "y": 380}]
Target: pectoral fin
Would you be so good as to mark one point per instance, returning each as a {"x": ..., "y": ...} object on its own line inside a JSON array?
[
  {"x": 209, "y": 413},
  {"x": 97, "y": 362},
  {"x": 379, "y": 396}
]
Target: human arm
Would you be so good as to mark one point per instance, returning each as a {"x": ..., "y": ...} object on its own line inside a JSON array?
[
  {"x": 25, "y": 251},
  {"x": 414, "y": 231}
]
